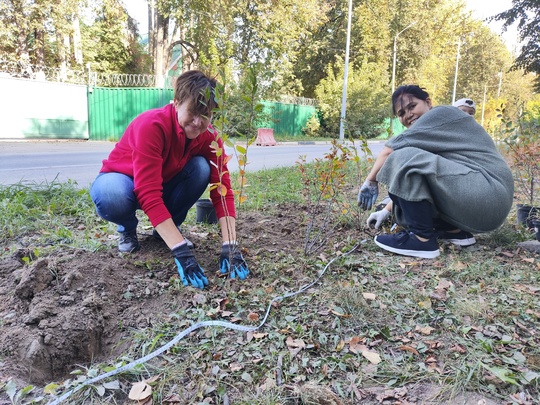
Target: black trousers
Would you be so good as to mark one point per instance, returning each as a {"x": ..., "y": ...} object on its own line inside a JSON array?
[{"x": 419, "y": 217}]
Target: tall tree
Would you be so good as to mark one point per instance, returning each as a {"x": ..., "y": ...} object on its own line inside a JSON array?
[
  {"x": 526, "y": 13},
  {"x": 110, "y": 43}
]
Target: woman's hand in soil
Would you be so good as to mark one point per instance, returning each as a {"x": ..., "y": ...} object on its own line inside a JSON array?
[
  {"x": 188, "y": 268},
  {"x": 377, "y": 218},
  {"x": 231, "y": 261}
]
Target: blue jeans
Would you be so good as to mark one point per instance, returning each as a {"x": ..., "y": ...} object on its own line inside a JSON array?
[{"x": 115, "y": 201}]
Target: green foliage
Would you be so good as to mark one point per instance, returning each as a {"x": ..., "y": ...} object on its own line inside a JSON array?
[
  {"x": 16, "y": 395},
  {"x": 464, "y": 323},
  {"x": 312, "y": 128},
  {"x": 111, "y": 41},
  {"x": 526, "y": 13},
  {"x": 367, "y": 100},
  {"x": 522, "y": 140},
  {"x": 324, "y": 190},
  {"x": 245, "y": 112}
]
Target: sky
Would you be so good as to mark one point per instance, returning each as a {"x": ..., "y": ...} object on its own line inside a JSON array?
[{"x": 481, "y": 9}]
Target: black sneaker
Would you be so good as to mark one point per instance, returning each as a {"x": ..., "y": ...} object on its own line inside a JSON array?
[
  {"x": 156, "y": 235},
  {"x": 461, "y": 238},
  {"x": 128, "y": 242},
  {"x": 407, "y": 244}
]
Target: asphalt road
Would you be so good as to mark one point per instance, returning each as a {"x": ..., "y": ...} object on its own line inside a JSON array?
[{"x": 36, "y": 162}]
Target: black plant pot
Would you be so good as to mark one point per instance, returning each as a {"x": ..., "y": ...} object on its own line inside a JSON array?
[
  {"x": 526, "y": 214},
  {"x": 205, "y": 211}
]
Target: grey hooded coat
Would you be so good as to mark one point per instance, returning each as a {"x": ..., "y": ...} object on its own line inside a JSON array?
[{"x": 447, "y": 158}]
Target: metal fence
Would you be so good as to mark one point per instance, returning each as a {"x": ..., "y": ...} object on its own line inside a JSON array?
[
  {"x": 111, "y": 110},
  {"x": 113, "y": 100},
  {"x": 23, "y": 70}
]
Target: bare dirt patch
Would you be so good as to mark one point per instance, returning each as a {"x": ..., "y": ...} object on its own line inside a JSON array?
[{"x": 74, "y": 306}]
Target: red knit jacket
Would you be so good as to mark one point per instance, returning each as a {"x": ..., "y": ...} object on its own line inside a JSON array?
[{"x": 154, "y": 149}]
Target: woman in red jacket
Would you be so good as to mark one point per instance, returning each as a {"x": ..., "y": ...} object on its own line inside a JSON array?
[{"x": 162, "y": 164}]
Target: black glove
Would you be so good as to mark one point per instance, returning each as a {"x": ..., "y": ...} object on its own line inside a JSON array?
[
  {"x": 188, "y": 268},
  {"x": 232, "y": 262}
]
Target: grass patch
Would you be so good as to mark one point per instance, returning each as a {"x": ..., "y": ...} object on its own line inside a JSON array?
[{"x": 377, "y": 327}]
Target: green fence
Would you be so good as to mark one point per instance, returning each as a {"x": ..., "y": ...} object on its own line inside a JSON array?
[
  {"x": 110, "y": 110},
  {"x": 288, "y": 119}
]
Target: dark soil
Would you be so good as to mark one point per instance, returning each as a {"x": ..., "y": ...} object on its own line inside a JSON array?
[{"x": 74, "y": 307}]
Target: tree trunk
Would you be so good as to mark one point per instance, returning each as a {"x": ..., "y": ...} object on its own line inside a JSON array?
[
  {"x": 151, "y": 32},
  {"x": 162, "y": 31},
  {"x": 21, "y": 29},
  {"x": 62, "y": 56},
  {"x": 77, "y": 44},
  {"x": 39, "y": 47}
]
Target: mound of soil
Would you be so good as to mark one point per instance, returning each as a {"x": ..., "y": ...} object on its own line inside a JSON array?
[{"x": 74, "y": 307}]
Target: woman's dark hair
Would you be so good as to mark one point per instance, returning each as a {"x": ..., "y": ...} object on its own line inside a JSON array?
[
  {"x": 411, "y": 89},
  {"x": 198, "y": 90}
]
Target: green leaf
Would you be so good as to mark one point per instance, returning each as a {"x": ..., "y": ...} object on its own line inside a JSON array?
[
  {"x": 112, "y": 385},
  {"x": 529, "y": 376},
  {"x": 241, "y": 149},
  {"x": 11, "y": 389},
  {"x": 519, "y": 358},
  {"x": 50, "y": 388},
  {"x": 247, "y": 378},
  {"x": 502, "y": 374},
  {"x": 100, "y": 390}
]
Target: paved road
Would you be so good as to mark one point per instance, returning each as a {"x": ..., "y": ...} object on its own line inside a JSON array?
[{"x": 45, "y": 161}]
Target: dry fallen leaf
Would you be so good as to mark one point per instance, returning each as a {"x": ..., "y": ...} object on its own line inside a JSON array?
[
  {"x": 140, "y": 391},
  {"x": 424, "y": 330},
  {"x": 253, "y": 316},
  {"x": 458, "y": 266},
  {"x": 340, "y": 315},
  {"x": 268, "y": 384},
  {"x": 439, "y": 294},
  {"x": 426, "y": 304},
  {"x": 444, "y": 283},
  {"x": 369, "y": 296},
  {"x": 356, "y": 344},
  {"x": 408, "y": 349},
  {"x": 373, "y": 357},
  {"x": 295, "y": 342},
  {"x": 236, "y": 366}
]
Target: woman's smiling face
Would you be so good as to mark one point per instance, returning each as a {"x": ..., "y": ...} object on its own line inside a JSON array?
[
  {"x": 192, "y": 124},
  {"x": 409, "y": 108}
]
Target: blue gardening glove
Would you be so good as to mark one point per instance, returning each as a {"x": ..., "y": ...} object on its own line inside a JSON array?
[
  {"x": 232, "y": 262},
  {"x": 188, "y": 268},
  {"x": 368, "y": 194}
]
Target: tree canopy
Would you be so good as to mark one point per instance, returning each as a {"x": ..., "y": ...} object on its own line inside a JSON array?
[
  {"x": 292, "y": 47},
  {"x": 526, "y": 13}
]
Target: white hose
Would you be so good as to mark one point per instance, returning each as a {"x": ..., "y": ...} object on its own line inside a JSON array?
[{"x": 187, "y": 331}]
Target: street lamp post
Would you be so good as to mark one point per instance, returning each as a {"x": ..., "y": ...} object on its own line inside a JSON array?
[
  {"x": 394, "y": 68},
  {"x": 345, "y": 77},
  {"x": 456, "y": 72}
]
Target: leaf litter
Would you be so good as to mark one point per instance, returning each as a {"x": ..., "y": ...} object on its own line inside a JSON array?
[{"x": 375, "y": 329}]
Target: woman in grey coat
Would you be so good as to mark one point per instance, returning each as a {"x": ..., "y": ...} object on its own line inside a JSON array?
[{"x": 444, "y": 174}]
